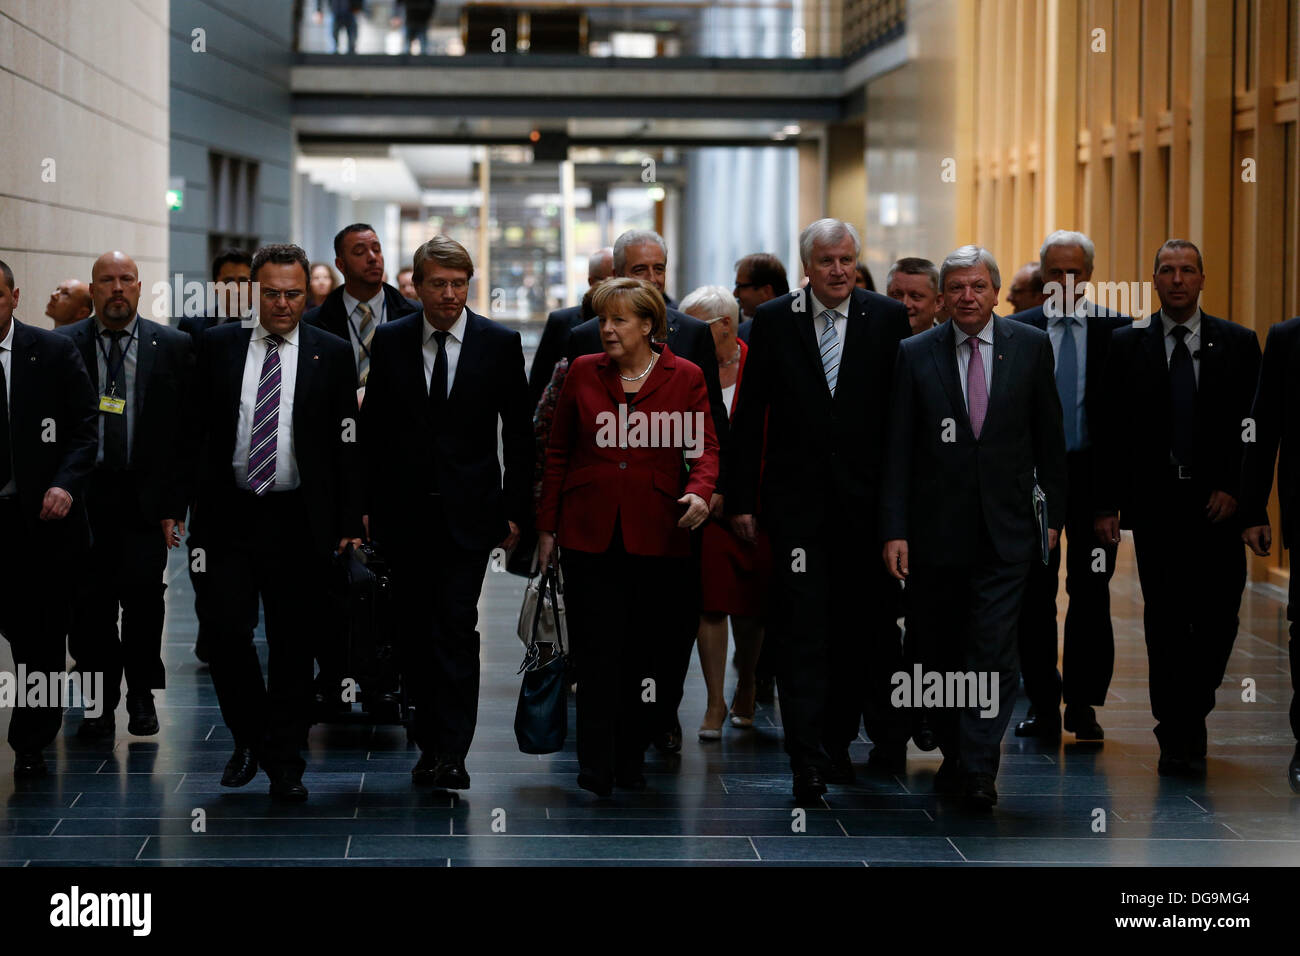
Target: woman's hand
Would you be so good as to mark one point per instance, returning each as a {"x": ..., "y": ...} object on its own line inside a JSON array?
[
  {"x": 545, "y": 550},
  {"x": 697, "y": 511}
]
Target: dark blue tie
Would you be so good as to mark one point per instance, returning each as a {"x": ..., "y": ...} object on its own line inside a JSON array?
[{"x": 1067, "y": 383}]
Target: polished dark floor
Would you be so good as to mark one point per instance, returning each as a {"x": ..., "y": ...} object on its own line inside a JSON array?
[{"x": 723, "y": 803}]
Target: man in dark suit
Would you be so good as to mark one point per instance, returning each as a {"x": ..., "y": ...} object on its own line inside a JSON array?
[
  {"x": 817, "y": 381},
  {"x": 233, "y": 290},
  {"x": 760, "y": 277},
  {"x": 974, "y": 414},
  {"x": 134, "y": 498},
  {"x": 279, "y": 487},
  {"x": 560, "y": 324},
  {"x": 642, "y": 254},
  {"x": 1169, "y": 466},
  {"x": 47, "y": 449},
  {"x": 441, "y": 382},
  {"x": 1276, "y": 414},
  {"x": 364, "y": 301},
  {"x": 1080, "y": 333}
]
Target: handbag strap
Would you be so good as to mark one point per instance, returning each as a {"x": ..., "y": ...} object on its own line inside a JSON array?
[{"x": 552, "y": 581}]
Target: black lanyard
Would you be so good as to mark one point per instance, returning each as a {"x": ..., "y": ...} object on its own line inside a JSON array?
[
  {"x": 113, "y": 372},
  {"x": 383, "y": 313}
]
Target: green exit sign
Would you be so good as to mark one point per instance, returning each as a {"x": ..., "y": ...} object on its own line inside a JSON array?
[{"x": 175, "y": 199}]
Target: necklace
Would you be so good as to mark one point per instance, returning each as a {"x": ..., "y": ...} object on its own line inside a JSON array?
[
  {"x": 733, "y": 360},
  {"x": 635, "y": 378}
]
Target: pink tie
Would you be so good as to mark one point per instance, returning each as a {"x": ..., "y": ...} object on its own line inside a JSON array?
[{"x": 977, "y": 390}]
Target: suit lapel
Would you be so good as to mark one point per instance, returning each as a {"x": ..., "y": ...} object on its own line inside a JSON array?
[
  {"x": 1212, "y": 359},
  {"x": 469, "y": 354},
  {"x": 1006, "y": 349},
  {"x": 852, "y": 349},
  {"x": 308, "y": 364},
  {"x": 805, "y": 327},
  {"x": 943, "y": 352},
  {"x": 1154, "y": 346},
  {"x": 235, "y": 375},
  {"x": 85, "y": 339},
  {"x": 608, "y": 373},
  {"x": 658, "y": 375},
  {"x": 147, "y": 343},
  {"x": 22, "y": 366}
]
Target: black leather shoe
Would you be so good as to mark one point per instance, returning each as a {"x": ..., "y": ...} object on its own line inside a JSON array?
[
  {"x": 809, "y": 787},
  {"x": 597, "y": 782},
  {"x": 670, "y": 741},
  {"x": 841, "y": 769},
  {"x": 1082, "y": 722},
  {"x": 425, "y": 770},
  {"x": 241, "y": 768},
  {"x": 924, "y": 737},
  {"x": 450, "y": 774},
  {"x": 949, "y": 779},
  {"x": 630, "y": 780},
  {"x": 887, "y": 760},
  {"x": 980, "y": 791},
  {"x": 765, "y": 690},
  {"x": 286, "y": 787},
  {"x": 143, "y": 720},
  {"x": 1293, "y": 772},
  {"x": 28, "y": 766},
  {"x": 1043, "y": 726},
  {"x": 97, "y": 729}
]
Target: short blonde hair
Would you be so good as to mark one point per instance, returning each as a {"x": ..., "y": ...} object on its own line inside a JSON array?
[
  {"x": 642, "y": 298},
  {"x": 442, "y": 251}
]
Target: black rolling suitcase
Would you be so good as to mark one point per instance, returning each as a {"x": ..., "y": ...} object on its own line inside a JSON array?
[{"x": 373, "y": 657}]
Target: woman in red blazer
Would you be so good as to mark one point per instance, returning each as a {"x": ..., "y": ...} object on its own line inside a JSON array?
[
  {"x": 630, "y": 467},
  {"x": 735, "y": 576}
]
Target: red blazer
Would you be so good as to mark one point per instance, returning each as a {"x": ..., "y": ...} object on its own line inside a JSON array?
[{"x": 590, "y": 481}]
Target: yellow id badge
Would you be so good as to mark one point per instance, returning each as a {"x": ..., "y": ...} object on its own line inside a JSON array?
[{"x": 114, "y": 406}]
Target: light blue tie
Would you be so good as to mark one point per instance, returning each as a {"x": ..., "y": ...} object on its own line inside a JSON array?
[
  {"x": 830, "y": 349},
  {"x": 1067, "y": 383}
]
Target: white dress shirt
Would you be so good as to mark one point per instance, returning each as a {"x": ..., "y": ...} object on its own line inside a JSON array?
[
  {"x": 7, "y": 360},
  {"x": 126, "y": 378},
  {"x": 455, "y": 339},
  {"x": 378, "y": 310},
  {"x": 985, "y": 338},
  {"x": 841, "y": 318},
  {"x": 286, "y": 464},
  {"x": 1193, "y": 340}
]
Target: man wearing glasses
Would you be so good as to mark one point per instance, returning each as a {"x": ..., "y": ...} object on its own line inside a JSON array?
[
  {"x": 275, "y": 458},
  {"x": 439, "y": 383},
  {"x": 760, "y": 277}
]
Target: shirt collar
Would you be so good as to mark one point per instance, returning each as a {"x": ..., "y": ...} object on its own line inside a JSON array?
[
  {"x": 456, "y": 332},
  {"x": 985, "y": 334},
  {"x": 290, "y": 337},
  {"x": 841, "y": 310},
  {"x": 129, "y": 329},
  {"x": 1081, "y": 311},
  {"x": 376, "y": 304},
  {"x": 1192, "y": 325}
]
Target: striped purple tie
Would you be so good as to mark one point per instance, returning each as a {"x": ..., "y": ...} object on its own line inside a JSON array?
[
  {"x": 977, "y": 390},
  {"x": 266, "y": 421}
]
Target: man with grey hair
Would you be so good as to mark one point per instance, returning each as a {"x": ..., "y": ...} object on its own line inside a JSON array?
[
  {"x": 974, "y": 414},
  {"x": 915, "y": 283},
  {"x": 560, "y": 325},
  {"x": 1080, "y": 332},
  {"x": 1026, "y": 290},
  {"x": 816, "y": 388},
  {"x": 642, "y": 254}
]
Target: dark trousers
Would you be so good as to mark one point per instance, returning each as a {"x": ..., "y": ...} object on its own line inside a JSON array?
[
  {"x": 835, "y": 647},
  {"x": 1192, "y": 574},
  {"x": 436, "y": 586},
  {"x": 345, "y": 23},
  {"x": 34, "y": 616},
  {"x": 265, "y": 550},
  {"x": 124, "y": 571},
  {"x": 965, "y": 620},
  {"x": 674, "y": 645},
  {"x": 1293, "y": 646},
  {"x": 617, "y": 613},
  {"x": 1089, "y": 656}
]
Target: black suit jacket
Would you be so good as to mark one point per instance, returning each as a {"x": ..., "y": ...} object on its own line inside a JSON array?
[
  {"x": 404, "y": 445},
  {"x": 553, "y": 346},
  {"x": 689, "y": 338},
  {"x": 326, "y": 448},
  {"x": 332, "y": 316},
  {"x": 1133, "y": 454},
  {"x": 824, "y": 455},
  {"x": 1276, "y": 412},
  {"x": 163, "y": 372},
  {"x": 53, "y": 433},
  {"x": 196, "y": 325},
  {"x": 937, "y": 491},
  {"x": 746, "y": 327},
  {"x": 1101, "y": 323}
]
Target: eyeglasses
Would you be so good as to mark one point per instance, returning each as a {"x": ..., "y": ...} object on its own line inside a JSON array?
[
  {"x": 439, "y": 285},
  {"x": 290, "y": 295}
]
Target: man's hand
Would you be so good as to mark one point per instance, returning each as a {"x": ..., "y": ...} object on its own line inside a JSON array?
[
  {"x": 895, "y": 555},
  {"x": 696, "y": 511},
  {"x": 545, "y": 549},
  {"x": 1107, "y": 529},
  {"x": 745, "y": 528},
  {"x": 715, "y": 506},
  {"x": 344, "y": 542},
  {"x": 512, "y": 538},
  {"x": 56, "y": 504},
  {"x": 1258, "y": 538},
  {"x": 1053, "y": 539},
  {"x": 1220, "y": 507},
  {"x": 173, "y": 531}
]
